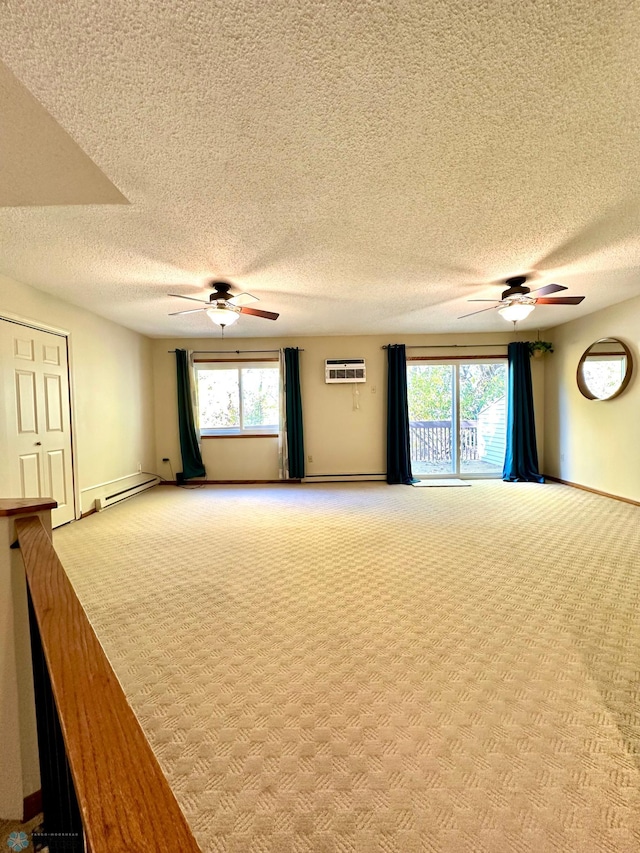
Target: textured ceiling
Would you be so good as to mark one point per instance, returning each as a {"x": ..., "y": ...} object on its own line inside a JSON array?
[
  {"x": 362, "y": 167},
  {"x": 40, "y": 164}
]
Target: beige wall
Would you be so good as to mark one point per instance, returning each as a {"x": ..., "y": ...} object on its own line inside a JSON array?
[
  {"x": 593, "y": 443},
  {"x": 341, "y": 439},
  {"x": 111, "y": 384}
]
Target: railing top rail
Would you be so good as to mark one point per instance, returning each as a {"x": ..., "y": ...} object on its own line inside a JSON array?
[
  {"x": 18, "y": 506},
  {"x": 125, "y": 800},
  {"x": 466, "y": 424}
]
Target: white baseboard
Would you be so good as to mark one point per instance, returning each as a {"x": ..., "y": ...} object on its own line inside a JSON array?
[
  {"x": 90, "y": 495},
  {"x": 122, "y": 494}
]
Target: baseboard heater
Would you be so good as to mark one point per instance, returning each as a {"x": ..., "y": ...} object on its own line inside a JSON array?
[
  {"x": 342, "y": 478},
  {"x": 123, "y": 494}
]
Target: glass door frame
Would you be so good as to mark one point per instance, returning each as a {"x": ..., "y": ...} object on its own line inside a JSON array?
[{"x": 455, "y": 362}]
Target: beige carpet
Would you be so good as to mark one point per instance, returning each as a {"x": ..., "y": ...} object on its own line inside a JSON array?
[
  {"x": 374, "y": 669},
  {"x": 13, "y": 833}
]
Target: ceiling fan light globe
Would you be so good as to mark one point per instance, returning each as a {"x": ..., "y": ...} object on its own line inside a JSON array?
[
  {"x": 516, "y": 311},
  {"x": 222, "y": 316}
]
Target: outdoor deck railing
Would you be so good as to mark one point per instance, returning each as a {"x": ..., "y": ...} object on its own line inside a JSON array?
[{"x": 431, "y": 441}]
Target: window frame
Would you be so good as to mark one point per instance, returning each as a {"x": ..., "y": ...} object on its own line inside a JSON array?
[{"x": 207, "y": 365}]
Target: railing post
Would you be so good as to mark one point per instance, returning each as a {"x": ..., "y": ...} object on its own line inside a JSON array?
[
  {"x": 62, "y": 829},
  {"x": 20, "y": 777}
]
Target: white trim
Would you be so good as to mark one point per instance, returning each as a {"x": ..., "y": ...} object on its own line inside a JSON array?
[
  {"x": 74, "y": 420},
  {"x": 34, "y": 324}
]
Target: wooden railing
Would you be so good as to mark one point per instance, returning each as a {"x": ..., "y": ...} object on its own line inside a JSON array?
[
  {"x": 431, "y": 441},
  {"x": 101, "y": 782}
]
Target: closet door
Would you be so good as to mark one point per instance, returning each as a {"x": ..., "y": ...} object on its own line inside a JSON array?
[{"x": 35, "y": 457}]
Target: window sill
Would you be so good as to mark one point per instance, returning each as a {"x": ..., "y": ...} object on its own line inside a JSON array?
[{"x": 242, "y": 435}]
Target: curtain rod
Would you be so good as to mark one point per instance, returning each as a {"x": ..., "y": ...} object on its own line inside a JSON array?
[
  {"x": 448, "y": 346},
  {"x": 231, "y": 351}
]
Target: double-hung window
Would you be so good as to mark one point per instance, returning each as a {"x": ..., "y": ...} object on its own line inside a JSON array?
[{"x": 238, "y": 397}]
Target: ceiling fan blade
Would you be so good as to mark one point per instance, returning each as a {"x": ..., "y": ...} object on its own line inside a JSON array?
[
  {"x": 549, "y": 288},
  {"x": 242, "y": 299},
  {"x": 190, "y": 311},
  {"x": 192, "y": 298},
  {"x": 480, "y": 311},
  {"x": 485, "y": 300},
  {"x": 268, "y": 315},
  {"x": 560, "y": 300}
]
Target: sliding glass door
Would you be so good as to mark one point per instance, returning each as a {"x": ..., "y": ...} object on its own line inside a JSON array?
[
  {"x": 483, "y": 413},
  {"x": 431, "y": 394},
  {"x": 457, "y": 417}
]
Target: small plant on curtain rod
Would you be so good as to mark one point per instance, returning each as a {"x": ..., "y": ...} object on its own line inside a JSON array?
[{"x": 539, "y": 348}]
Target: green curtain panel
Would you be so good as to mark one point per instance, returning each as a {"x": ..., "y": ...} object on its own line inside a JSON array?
[
  {"x": 521, "y": 456},
  {"x": 293, "y": 403},
  {"x": 191, "y": 458},
  {"x": 398, "y": 450}
]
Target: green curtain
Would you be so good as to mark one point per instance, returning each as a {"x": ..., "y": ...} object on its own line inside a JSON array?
[
  {"x": 191, "y": 459},
  {"x": 521, "y": 457},
  {"x": 398, "y": 450},
  {"x": 293, "y": 405}
]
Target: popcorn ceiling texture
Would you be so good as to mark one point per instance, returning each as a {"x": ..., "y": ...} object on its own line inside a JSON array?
[
  {"x": 366, "y": 669},
  {"x": 386, "y": 159}
]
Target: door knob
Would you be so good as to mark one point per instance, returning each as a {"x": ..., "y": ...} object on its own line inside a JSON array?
[{"x": 38, "y": 443}]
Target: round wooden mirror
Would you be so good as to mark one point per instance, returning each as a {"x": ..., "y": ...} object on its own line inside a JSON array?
[{"x": 605, "y": 369}]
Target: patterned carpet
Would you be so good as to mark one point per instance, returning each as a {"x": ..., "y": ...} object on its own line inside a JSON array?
[
  {"x": 371, "y": 669},
  {"x": 15, "y": 835}
]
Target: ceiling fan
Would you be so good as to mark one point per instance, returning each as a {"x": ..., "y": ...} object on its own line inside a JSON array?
[
  {"x": 518, "y": 300},
  {"x": 222, "y": 308}
]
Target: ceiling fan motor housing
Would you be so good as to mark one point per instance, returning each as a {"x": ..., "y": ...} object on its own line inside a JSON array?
[
  {"x": 517, "y": 287},
  {"x": 220, "y": 291}
]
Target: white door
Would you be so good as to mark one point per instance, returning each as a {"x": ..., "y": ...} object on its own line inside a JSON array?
[{"x": 35, "y": 453}]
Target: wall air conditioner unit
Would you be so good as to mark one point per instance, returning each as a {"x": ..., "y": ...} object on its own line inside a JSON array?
[{"x": 345, "y": 370}]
